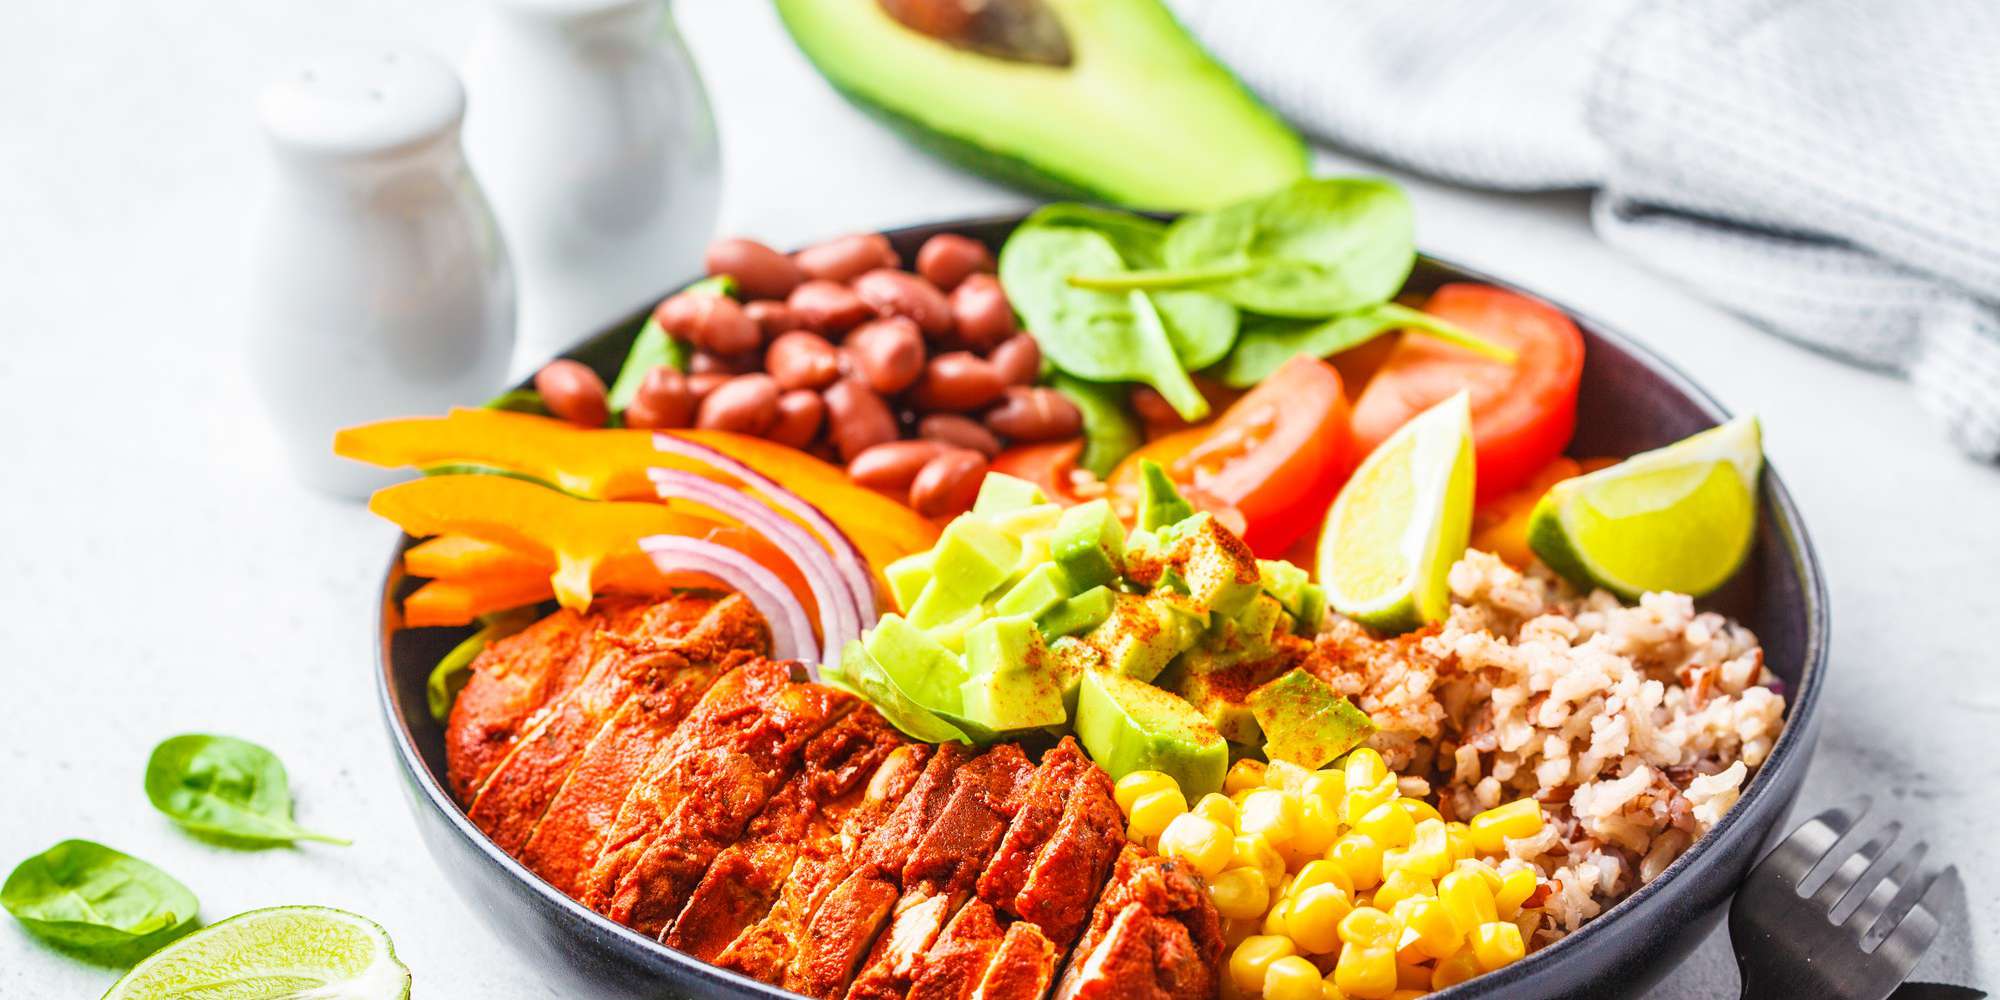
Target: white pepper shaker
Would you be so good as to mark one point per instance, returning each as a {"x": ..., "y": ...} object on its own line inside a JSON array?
[
  {"x": 590, "y": 130},
  {"x": 379, "y": 283}
]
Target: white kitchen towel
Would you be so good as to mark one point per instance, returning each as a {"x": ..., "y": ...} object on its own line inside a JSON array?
[{"x": 1829, "y": 169}]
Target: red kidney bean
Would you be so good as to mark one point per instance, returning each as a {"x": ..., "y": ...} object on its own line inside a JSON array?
[
  {"x": 573, "y": 392},
  {"x": 711, "y": 322},
  {"x": 675, "y": 313},
  {"x": 980, "y": 312},
  {"x": 948, "y": 483},
  {"x": 887, "y": 353},
  {"x": 845, "y": 258},
  {"x": 663, "y": 400},
  {"x": 773, "y": 317},
  {"x": 1018, "y": 359},
  {"x": 709, "y": 363},
  {"x": 761, "y": 272},
  {"x": 1153, "y": 408},
  {"x": 746, "y": 404},
  {"x": 802, "y": 360},
  {"x": 957, "y": 381},
  {"x": 892, "y": 465},
  {"x": 857, "y": 418},
  {"x": 900, "y": 293},
  {"x": 700, "y": 384},
  {"x": 800, "y": 412},
  {"x": 1034, "y": 414},
  {"x": 945, "y": 259},
  {"x": 828, "y": 307},
  {"x": 963, "y": 432}
]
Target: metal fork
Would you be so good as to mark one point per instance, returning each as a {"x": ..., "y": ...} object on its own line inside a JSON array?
[{"x": 1832, "y": 915}]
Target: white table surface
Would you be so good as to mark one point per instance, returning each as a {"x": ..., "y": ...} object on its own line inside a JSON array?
[{"x": 161, "y": 573}]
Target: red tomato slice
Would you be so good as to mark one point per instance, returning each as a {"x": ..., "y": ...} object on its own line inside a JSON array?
[
  {"x": 1522, "y": 414},
  {"x": 1276, "y": 457},
  {"x": 1051, "y": 466}
]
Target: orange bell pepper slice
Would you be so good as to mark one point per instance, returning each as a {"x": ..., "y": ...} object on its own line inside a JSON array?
[
  {"x": 1500, "y": 525},
  {"x": 463, "y": 557}
]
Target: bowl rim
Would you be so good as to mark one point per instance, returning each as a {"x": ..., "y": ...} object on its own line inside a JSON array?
[{"x": 1788, "y": 750}]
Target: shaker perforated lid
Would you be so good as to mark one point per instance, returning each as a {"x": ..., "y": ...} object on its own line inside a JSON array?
[{"x": 359, "y": 101}]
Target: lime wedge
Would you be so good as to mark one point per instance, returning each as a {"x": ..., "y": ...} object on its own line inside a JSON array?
[
  {"x": 288, "y": 951},
  {"x": 1400, "y": 523},
  {"x": 1676, "y": 519}
]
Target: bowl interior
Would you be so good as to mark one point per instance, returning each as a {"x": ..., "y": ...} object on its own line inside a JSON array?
[{"x": 1630, "y": 401}]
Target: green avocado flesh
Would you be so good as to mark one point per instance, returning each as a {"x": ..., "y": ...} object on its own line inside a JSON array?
[
  {"x": 1128, "y": 725},
  {"x": 1139, "y": 115},
  {"x": 1305, "y": 722}
]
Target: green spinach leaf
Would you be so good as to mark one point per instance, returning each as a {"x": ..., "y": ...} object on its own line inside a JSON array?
[
  {"x": 1093, "y": 335},
  {"x": 226, "y": 788},
  {"x": 519, "y": 401},
  {"x": 1268, "y": 342},
  {"x": 653, "y": 347},
  {"x": 1319, "y": 247},
  {"x": 1109, "y": 432},
  {"x": 104, "y": 904},
  {"x": 1136, "y": 238},
  {"x": 448, "y": 678}
]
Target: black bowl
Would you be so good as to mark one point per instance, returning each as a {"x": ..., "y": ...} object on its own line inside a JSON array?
[{"x": 1631, "y": 401}]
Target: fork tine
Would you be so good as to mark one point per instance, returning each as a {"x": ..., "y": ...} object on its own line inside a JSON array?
[
  {"x": 1794, "y": 857},
  {"x": 1896, "y": 893},
  {"x": 1846, "y": 877},
  {"x": 1916, "y": 929}
]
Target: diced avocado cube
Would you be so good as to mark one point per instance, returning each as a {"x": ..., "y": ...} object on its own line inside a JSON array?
[
  {"x": 1127, "y": 725},
  {"x": 1078, "y": 614},
  {"x": 1043, "y": 588},
  {"x": 875, "y": 684},
  {"x": 1305, "y": 722},
  {"x": 1071, "y": 658},
  {"x": 1000, "y": 492},
  {"x": 939, "y": 604},
  {"x": 908, "y": 576},
  {"x": 1027, "y": 522},
  {"x": 1249, "y": 635},
  {"x": 1160, "y": 503},
  {"x": 1142, "y": 635},
  {"x": 1089, "y": 544},
  {"x": 1304, "y": 601},
  {"x": 1218, "y": 570},
  {"x": 1220, "y": 698},
  {"x": 922, "y": 667},
  {"x": 973, "y": 557},
  {"x": 1013, "y": 684},
  {"x": 1312, "y": 610},
  {"x": 951, "y": 634}
]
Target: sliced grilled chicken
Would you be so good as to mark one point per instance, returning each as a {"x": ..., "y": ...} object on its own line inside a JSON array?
[
  {"x": 956, "y": 963},
  {"x": 1022, "y": 969},
  {"x": 1153, "y": 934}
]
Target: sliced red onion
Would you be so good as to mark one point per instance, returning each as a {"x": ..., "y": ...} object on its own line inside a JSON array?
[
  {"x": 791, "y": 633},
  {"x": 839, "y": 619},
  {"x": 853, "y": 568}
]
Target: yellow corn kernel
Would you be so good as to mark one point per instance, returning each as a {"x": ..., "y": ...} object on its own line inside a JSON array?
[
  {"x": 1360, "y": 799},
  {"x": 1137, "y": 785},
  {"x": 1328, "y": 991},
  {"x": 1275, "y": 917},
  {"x": 1240, "y": 893},
  {"x": 1252, "y": 851},
  {"x": 1216, "y": 806},
  {"x": 1363, "y": 768},
  {"x": 1515, "y": 888},
  {"x": 1291, "y": 978},
  {"x": 1458, "y": 840},
  {"x": 1253, "y": 958},
  {"x": 1402, "y": 883},
  {"x": 1329, "y": 784},
  {"x": 1468, "y": 899},
  {"x": 1480, "y": 868},
  {"x": 1418, "y": 809},
  {"x": 1519, "y": 818},
  {"x": 1360, "y": 857},
  {"x": 1428, "y": 927},
  {"x": 1201, "y": 842},
  {"x": 1319, "y": 824},
  {"x": 1235, "y": 932},
  {"x": 1412, "y": 976},
  {"x": 1368, "y": 927},
  {"x": 1270, "y": 814},
  {"x": 1322, "y": 872},
  {"x": 1284, "y": 776},
  {"x": 1497, "y": 944},
  {"x": 1154, "y": 810},
  {"x": 1429, "y": 852},
  {"x": 1243, "y": 775},
  {"x": 1455, "y": 970},
  {"x": 1313, "y": 919},
  {"x": 1389, "y": 824},
  {"x": 1366, "y": 972}
]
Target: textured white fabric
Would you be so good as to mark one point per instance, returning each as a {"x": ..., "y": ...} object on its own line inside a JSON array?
[{"x": 1828, "y": 168}]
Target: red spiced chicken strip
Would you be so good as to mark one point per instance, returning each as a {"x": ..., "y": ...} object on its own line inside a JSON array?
[{"x": 1153, "y": 934}]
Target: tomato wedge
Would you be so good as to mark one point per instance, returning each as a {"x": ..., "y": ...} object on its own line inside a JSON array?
[
  {"x": 1276, "y": 457},
  {"x": 1522, "y": 414},
  {"x": 1051, "y": 466}
]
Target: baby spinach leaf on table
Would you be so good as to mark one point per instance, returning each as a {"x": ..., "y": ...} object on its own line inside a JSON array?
[
  {"x": 1098, "y": 336},
  {"x": 448, "y": 678},
  {"x": 1267, "y": 342},
  {"x": 1319, "y": 247},
  {"x": 226, "y": 788},
  {"x": 1109, "y": 432},
  {"x": 105, "y": 904}
]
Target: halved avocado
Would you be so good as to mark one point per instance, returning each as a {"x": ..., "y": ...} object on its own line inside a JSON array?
[{"x": 1115, "y": 102}]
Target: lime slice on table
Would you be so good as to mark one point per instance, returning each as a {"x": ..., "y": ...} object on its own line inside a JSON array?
[
  {"x": 287, "y": 951},
  {"x": 1678, "y": 519},
  {"x": 1401, "y": 521}
]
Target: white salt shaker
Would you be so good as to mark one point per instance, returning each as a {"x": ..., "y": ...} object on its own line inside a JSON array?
[
  {"x": 590, "y": 130},
  {"x": 379, "y": 284}
]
